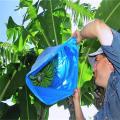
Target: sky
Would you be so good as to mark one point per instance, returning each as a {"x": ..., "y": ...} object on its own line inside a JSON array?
[{"x": 7, "y": 9}]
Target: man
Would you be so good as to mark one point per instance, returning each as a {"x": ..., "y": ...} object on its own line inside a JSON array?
[{"x": 106, "y": 66}]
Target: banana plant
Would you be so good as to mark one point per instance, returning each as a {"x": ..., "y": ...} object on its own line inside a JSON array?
[
  {"x": 45, "y": 23},
  {"x": 43, "y": 30},
  {"x": 109, "y": 13}
]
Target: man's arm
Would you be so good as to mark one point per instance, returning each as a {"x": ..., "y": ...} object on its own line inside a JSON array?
[
  {"x": 96, "y": 29},
  {"x": 76, "y": 101}
]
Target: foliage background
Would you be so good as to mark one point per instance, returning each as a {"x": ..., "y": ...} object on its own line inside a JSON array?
[{"x": 49, "y": 27}]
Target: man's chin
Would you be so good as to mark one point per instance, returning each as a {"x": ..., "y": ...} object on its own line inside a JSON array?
[{"x": 96, "y": 82}]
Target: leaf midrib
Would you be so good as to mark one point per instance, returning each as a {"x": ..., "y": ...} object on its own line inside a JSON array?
[
  {"x": 115, "y": 8},
  {"x": 7, "y": 85}
]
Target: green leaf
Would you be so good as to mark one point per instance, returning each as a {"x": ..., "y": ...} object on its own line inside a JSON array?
[
  {"x": 17, "y": 81},
  {"x": 79, "y": 9},
  {"x": 109, "y": 12},
  {"x": 65, "y": 29},
  {"x": 87, "y": 93},
  {"x": 28, "y": 110},
  {"x": 21, "y": 44},
  {"x": 5, "y": 82},
  {"x": 45, "y": 4},
  {"x": 25, "y": 3},
  {"x": 51, "y": 22},
  {"x": 10, "y": 33},
  {"x": 40, "y": 51},
  {"x": 85, "y": 73},
  {"x": 34, "y": 27},
  {"x": 32, "y": 12},
  {"x": 11, "y": 23},
  {"x": 12, "y": 29},
  {"x": 21, "y": 40},
  {"x": 12, "y": 78}
]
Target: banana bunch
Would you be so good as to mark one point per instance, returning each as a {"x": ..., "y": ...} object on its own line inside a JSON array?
[{"x": 45, "y": 76}]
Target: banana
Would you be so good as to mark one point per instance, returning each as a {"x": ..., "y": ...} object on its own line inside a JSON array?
[{"x": 44, "y": 77}]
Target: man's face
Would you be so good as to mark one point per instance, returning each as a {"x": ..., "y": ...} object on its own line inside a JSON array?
[{"x": 101, "y": 70}]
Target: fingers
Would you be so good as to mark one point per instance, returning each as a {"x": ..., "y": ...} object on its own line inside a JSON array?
[
  {"x": 77, "y": 35},
  {"x": 76, "y": 92},
  {"x": 76, "y": 95}
]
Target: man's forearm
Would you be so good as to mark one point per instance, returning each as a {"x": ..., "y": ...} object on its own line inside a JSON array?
[
  {"x": 97, "y": 29},
  {"x": 78, "y": 111},
  {"x": 90, "y": 30}
]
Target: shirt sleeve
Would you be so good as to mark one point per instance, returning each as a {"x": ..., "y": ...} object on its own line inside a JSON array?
[{"x": 113, "y": 51}]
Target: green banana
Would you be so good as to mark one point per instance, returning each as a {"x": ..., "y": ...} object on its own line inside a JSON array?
[{"x": 44, "y": 77}]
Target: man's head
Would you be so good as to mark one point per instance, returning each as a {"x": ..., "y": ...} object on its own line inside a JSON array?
[{"x": 102, "y": 67}]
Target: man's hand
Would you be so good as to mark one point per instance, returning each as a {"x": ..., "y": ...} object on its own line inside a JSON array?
[
  {"x": 76, "y": 96},
  {"x": 76, "y": 100},
  {"x": 78, "y": 36}
]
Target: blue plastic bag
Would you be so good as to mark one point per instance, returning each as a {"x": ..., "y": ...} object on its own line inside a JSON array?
[{"x": 65, "y": 79}]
